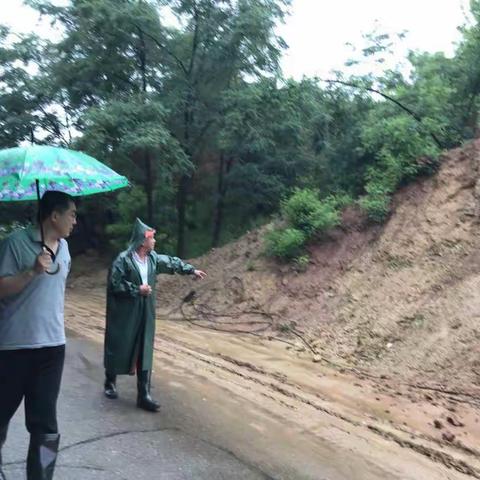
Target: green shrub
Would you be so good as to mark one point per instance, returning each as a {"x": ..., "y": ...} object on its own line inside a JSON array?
[
  {"x": 301, "y": 263},
  {"x": 286, "y": 243},
  {"x": 403, "y": 150},
  {"x": 382, "y": 181},
  {"x": 376, "y": 206},
  {"x": 304, "y": 215},
  {"x": 306, "y": 212},
  {"x": 339, "y": 201}
]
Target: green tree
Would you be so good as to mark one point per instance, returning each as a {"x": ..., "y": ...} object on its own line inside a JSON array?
[
  {"x": 267, "y": 144},
  {"x": 221, "y": 42},
  {"x": 118, "y": 50}
]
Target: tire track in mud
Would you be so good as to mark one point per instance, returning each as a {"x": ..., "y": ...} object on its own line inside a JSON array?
[
  {"x": 291, "y": 396},
  {"x": 275, "y": 386}
]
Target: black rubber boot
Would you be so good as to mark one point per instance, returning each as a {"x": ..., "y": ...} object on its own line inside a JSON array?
[
  {"x": 144, "y": 400},
  {"x": 110, "y": 385},
  {"x": 42, "y": 455},
  {"x": 3, "y": 437}
]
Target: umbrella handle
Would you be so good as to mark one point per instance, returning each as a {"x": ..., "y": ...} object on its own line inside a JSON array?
[
  {"x": 52, "y": 254},
  {"x": 54, "y": 272},
  {"x": 49, "y": 250}
]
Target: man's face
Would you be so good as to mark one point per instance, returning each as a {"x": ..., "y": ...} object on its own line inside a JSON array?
[
  {"x": 149, "y": 242},
  {"x": 64, "y": 222}
]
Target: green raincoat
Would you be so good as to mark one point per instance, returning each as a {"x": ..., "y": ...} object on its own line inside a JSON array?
[{"x": 130, "y": 327}]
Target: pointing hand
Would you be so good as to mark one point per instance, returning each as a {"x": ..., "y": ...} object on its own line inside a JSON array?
[{"x": 199, "y": 274}]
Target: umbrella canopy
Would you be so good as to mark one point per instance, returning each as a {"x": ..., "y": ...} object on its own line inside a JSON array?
[
  {"x": 26, "y": 173},
  {"x": 53, "y": 168}
]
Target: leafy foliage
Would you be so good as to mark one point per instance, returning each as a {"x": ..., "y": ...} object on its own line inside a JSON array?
[
  {"x": 304, "y": 215},
  {"x": 306, "y": 212},
  {"x": 285, "y": 243},
  {"x": 197, "y": 115}
]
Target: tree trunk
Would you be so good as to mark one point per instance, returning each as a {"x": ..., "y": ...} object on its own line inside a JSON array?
[
  {"x": 149, "y": 187},
  {"x": 149, "y": 174},
  {"x": 184, "y": 181},
  {"x": 219, "y": 203},
  {"x": 181, "y": 214},
  {"x": 224, "y": 169},
  {"x": 187, "y": 125}
]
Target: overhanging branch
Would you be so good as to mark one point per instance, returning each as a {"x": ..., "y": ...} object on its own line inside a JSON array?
[
  {"x": 162, "y": 47},
  {"x": 391, "y": 99}
]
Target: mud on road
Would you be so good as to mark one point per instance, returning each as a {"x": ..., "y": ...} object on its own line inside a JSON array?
[{"x": 298, "y": 418}]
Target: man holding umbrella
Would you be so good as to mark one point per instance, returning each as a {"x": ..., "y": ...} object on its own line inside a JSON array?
[
  {"x": 130, "y": 328},
  {"x": 34, "y": 264},
  {"x": 32, "y": 333}
]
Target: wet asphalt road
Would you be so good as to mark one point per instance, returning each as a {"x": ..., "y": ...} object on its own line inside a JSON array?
[{"x": 106, "y": 440}]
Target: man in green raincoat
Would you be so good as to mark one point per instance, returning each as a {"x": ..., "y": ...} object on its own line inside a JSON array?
[{"x": 130, "y": 327}]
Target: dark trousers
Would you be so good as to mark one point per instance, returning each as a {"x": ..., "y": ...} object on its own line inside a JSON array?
[{"x": 34, "y": 375}]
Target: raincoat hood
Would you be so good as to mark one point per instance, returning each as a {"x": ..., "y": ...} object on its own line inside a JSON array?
[{"x": 138, "y": 234}]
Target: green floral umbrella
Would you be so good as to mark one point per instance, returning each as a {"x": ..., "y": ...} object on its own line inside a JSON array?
[{"x": 27, "y": 172}]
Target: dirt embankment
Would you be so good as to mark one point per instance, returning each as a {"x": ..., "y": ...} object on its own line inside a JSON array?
[
  {"x": 400, "y": 299},
  {"x": 380, "y": 332}
]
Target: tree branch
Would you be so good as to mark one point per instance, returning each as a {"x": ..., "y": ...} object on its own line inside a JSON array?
[
  {"x": 194, "y": 41},
  {"x": 54, "y": 126},
  {"x": 163, "y": 47},
  {"x": 391, "y": 99}
]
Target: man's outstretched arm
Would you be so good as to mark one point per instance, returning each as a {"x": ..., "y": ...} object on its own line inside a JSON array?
[{"x": 167, "y": 264}]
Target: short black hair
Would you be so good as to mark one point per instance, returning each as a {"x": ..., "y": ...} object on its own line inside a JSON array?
[{"x": 53, "y": 201}]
